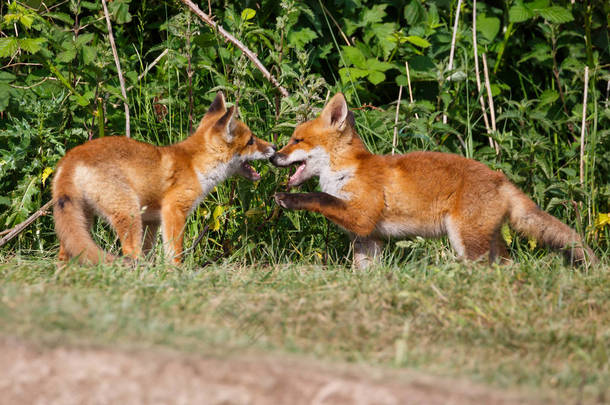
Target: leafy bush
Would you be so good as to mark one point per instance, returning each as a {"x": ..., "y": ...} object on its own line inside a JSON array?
[{"x": 59, "y": 87}]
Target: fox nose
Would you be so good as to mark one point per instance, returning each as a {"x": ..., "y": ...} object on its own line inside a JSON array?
[{"x": 273, "y": 159}]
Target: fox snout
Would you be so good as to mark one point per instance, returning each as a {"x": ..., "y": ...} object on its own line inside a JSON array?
[{"x": 278, "y": 159}]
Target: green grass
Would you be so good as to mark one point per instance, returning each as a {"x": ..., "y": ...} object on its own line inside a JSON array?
[{"x": 536, "y": 324}]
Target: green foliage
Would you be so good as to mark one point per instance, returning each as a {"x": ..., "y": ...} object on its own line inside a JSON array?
[{"x": 59, "y": 87}]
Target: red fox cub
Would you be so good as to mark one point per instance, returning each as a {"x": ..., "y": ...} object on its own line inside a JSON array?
[
  {"x": 138, "y": 187},
  {"x": 426, "y": 194}
]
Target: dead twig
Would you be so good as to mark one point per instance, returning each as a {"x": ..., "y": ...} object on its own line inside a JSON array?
[
  {"x": 582, "y": 128},
  {"x": 490, "y": 99},
  {"x": 118, "y": 68},
  {"x": 409, "y": 86},
  {"x": 336, "y": 24},
  {"x": 147, "y": 69},
  {"x": 452, "y": 51},
  {"x": 369, "y": 106},
  {"x": 395, "y": 137},
  {"x": 251, "y": 55},
  {"x": 17, "y": 229},
  {"x": 492, "y": 142}
]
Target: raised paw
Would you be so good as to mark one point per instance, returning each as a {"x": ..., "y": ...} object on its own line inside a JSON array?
[{"x": 287, "y": 201}]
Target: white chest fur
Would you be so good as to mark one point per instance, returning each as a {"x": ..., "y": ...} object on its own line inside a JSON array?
[
  {"x": 331, "y": 181},
  {"x": 210, "y": 178}
]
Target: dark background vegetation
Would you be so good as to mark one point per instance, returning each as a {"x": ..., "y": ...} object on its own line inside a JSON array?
[{"x": 59, "y": 88}]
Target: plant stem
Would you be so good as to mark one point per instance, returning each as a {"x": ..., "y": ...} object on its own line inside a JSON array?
[
  {"x": 452, "y": 51},
  {"x": 409, "y": 86},
  {"x": 395, "y": 137},
  {"x": 492, "y": 143},
  {"x": 582, "y": 128},
  {"x": 118, "y": 68}
]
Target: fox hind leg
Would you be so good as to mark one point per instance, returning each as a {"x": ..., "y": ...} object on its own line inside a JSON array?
[
  {"x": 367, "y": 251},
  {"x": 498, "y": 248}
]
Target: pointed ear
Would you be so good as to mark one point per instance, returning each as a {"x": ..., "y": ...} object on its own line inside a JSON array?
[
  {"x": 335, "y": 112},
  {"x": 226, "y": 124},
  {"x": 218, "y": 104}
]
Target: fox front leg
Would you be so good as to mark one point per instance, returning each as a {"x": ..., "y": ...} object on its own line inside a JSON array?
[{"x": 347, "y": 214}]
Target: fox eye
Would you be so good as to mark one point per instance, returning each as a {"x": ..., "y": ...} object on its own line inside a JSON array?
[
  {"x": 250, "y": 141},
  {"x": 297, "y": 140}
]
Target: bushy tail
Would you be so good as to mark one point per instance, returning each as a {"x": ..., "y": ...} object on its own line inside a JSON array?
[
  {"x": 526, "y": 218},
  {"x": 71, "y": 226}
]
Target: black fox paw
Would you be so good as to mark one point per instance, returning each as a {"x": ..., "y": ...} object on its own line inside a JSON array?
[{"x": 287, "y": 201}]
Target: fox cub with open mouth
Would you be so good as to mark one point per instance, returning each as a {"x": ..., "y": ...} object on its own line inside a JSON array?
[
  {"x": 426, "y": 194},
  {"x": 138, "y": 187}
]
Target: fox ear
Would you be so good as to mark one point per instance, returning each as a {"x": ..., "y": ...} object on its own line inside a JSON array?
[
  {"x": 226, "y": 124},
  {"x": 218, "y": 104},
  {"x": 335, "y": 112}
]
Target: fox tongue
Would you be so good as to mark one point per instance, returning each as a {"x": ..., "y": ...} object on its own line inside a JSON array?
[{"x": 296, "y": 177}]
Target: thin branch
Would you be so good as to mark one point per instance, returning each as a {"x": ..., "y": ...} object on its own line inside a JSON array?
[
  {"x": 33, "y": 85},
  {"x": 21, "y": 64},
  {"x": 189, "y": 72},
  {"x": 582, "y": 129},
  {"x": 492, "y": 142},
  {"x": 489, "y": 96},
  {"x": 409, "y": 86},
  {"x": 369, "y": 106},
  {"x": 251, "y": 55},
  {"x": 395, "y": 138},
  {"x": 17, "y": 229},
  {"x": 118, "y": 68},
  {"x": 147, "y": 69},
  {"x": 452, "y": 51},
  {"x": 336, "y": 24}
]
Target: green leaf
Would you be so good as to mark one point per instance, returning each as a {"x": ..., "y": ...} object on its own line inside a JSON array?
[
  {"x": 415, "y": 12},
  {"x": 32, "y": 45},
  {"x": 519, "y": 13},
  {"x": 354, "y": 56},
  {"x": 6, "y": 76},
  {"x": 26, "y": 20},
  {"x": 556, "y": 14},
  {"x": 66, "y": 56},
  {"x": 376, "y": 77},
  {"x": 374, "y": 64},
  {"x": 89, "y": 54},
  {"x": 247, "y": 14},
  {"x": 374, "y": 15},
  {"x": 4, "y": 95},
  {"x": 349, "y": 74},
  {"x": 418, "y": 41},
  {"x": 84, "y": 39},
  {"x": 61, "y": 17},
  {"x": 8, "y": 46},
  {"x": 384, "y": 32},
  {"x": 548, "y": 97},
  {"x": 300, "y": 38},
  {"x": 489, "y": 26},
  {"x": 120, "y": 11}
]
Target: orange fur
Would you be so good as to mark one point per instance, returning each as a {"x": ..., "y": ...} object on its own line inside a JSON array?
[
  {"x": 427, "y": 194},
  {"x": 138, "y": 187}
]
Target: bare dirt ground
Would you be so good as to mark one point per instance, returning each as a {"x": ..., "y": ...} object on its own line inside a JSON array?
[{"x": 32, "y": 374}]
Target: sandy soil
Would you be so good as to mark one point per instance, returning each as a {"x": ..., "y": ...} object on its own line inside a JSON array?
[{"x": 32, "y": 374}]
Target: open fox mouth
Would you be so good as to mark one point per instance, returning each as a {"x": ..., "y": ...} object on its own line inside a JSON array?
[
  {"x": 247, "y": 171},
  {"x": 298, "y": 176}
]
